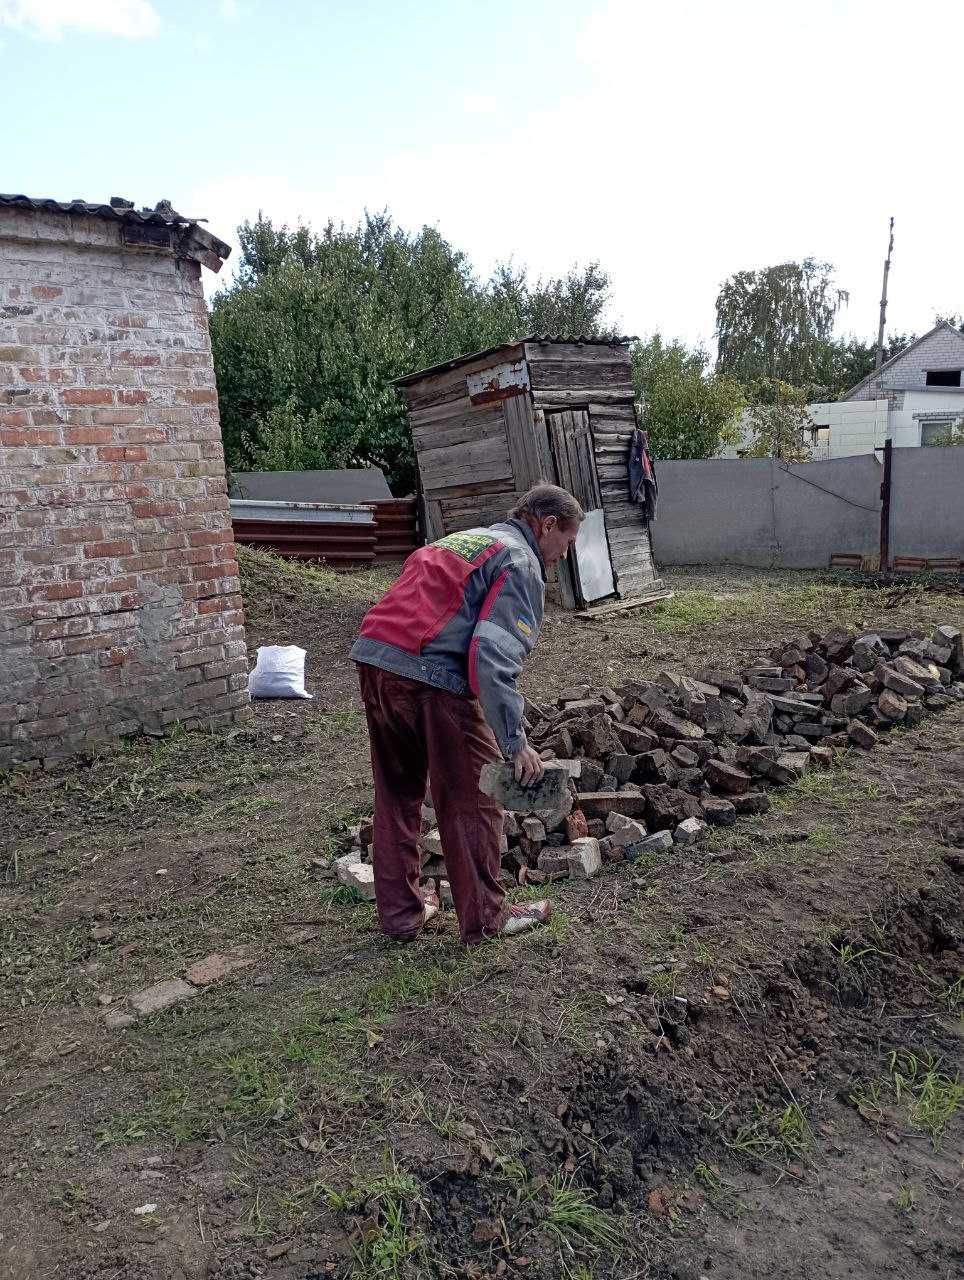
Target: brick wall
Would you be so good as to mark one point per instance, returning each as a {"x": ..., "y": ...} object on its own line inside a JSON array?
[
  {"x": 119, "y": 594},
  {"x": 943, "y": 349}
]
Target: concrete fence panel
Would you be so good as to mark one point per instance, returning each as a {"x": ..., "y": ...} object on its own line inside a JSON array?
[{"x": 766, "y": 513}]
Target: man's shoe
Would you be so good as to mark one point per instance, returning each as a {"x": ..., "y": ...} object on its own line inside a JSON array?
[{"x": 524, "y": 916}]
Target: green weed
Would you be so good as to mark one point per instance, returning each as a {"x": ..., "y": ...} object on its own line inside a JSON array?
[
  {"x": 393, "y": 1206},
  {"x": 785, "y": 1137},
  {"x": 906, "y": 1198},
  {"x": 576, "y": 1221},
  {"x": 702, "y": 956},
  {"x": 931, "y": 1095}
]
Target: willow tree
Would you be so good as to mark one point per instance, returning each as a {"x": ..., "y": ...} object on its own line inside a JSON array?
[{"x": 777, "y": 323}]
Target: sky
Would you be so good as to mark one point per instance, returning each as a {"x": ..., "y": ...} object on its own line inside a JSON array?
[{"x": 675, "y": 143}]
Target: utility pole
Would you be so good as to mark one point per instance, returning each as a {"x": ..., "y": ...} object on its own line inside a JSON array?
[{"x": 883, "y": 301}]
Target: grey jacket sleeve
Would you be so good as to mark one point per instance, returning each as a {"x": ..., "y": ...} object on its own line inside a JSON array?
[{"x": 504, "y": 636}]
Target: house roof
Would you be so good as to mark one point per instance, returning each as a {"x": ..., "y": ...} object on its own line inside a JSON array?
[
  {"x": 889, "y": 364},
  {"x": 544, "y": 339},
  {"x": 207, "y": 246}
]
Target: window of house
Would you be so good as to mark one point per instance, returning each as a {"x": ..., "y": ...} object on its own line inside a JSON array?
[
  {"x": 935, "y": 430},
  {"x": 943, "y": 378}
]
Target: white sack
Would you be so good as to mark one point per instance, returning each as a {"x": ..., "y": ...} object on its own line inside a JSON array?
[{"x": 279, "y": 672}]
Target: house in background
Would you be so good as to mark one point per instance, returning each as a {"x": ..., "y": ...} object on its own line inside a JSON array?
[{"x": 914, "y": 399}]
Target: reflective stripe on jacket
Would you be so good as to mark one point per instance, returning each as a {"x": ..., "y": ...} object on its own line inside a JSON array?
[{"x": 464, "y": 616}]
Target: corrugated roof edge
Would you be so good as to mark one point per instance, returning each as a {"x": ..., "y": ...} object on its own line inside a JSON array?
[
  {"x": 621, "y": 340},
  {"x": 119, "y": 210}
]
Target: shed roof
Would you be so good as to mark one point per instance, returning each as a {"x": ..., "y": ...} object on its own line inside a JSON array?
[
  {"x": 545, "y": 339},
  {"x": 120, "y": 210}
]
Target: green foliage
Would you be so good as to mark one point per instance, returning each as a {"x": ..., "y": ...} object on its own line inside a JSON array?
[
  {"x": 839, "y": 365},
  {"x": 780, "y": 426},
  {"x": 774, "y": 323},
  {"x": 688, "y": 410},
  {"x": 309, "y": 336}
]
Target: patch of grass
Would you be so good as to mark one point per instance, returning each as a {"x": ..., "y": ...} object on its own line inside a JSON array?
[
  {"x": 906, "y": 1198},
  {"x": 779, "y": 1139},
  {"x": 708, "y": 1176},
  {"x": 172, "y": 1112},
  {"x": 868, "y": 1098},
  {"x": 256, "y": 1091},
  {"x": 702, "y": 955},
  {"x": 392, "y": 1242},
  {"x": 822, "y": 838},
  {"x": 577, "y": 1222},
  {"x": 663, "y": 983},
  {"x": 932, "y": 1096}
]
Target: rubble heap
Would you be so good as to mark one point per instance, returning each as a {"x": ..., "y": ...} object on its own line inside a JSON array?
[{"x": 652, "y": 764}]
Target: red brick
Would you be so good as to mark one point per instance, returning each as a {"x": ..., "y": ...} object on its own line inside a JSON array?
[
  {"x": 129, "y": 320},
  {"x": 88, "y": 395},
  {"x": 136, "y": 359},
  {"x": 115, "y": 453},
  {"x": 47, "y": 375},
  {"x": 132, "y": 397},
  {"x": 154, "y": 510},
  {"x": 85, "y": 644},
  {"x": 62, "y": 591},
  {"x": 87, "y": 435},
  {"x": 79, "y": 533},
  {"x": 198, "y": 397},
  {"x": 209, "y": 538},
  {"x": 28, "y": 439},
  {"x": 46, "y": 292},
  {"x": 13, "y": 418},
  {"x": 117, "y": 657},
  {"x": 104, "y": 550}
]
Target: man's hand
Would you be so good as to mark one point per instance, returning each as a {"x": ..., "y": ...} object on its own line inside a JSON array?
[{"x": 528, "y": 766}]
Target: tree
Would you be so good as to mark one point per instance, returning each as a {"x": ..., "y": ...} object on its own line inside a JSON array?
[
  {"x": 776, "y": 323},
  {"x": 847, "y": 361},
  {"x": 688, "y": 411},
  {"x": 314, "y": 328},
  {"x": 779, "y": 427}
]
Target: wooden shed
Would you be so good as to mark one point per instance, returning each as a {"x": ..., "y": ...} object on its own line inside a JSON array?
[{"x": 488, "y": 426}]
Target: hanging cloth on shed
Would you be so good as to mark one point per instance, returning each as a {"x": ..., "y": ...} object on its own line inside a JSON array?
[{"x": 642, "y": 475}]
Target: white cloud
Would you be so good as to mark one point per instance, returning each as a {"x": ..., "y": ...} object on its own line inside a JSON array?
[
  {"x": 230, "y": 10},
  {"x": 50, "y": 19}
]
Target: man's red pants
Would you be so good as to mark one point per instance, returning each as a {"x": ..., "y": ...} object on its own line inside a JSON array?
[{"x": 421, "y": 733}]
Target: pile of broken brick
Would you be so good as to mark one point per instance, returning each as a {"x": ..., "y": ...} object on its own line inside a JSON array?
[{"x": 653, "y": 764}]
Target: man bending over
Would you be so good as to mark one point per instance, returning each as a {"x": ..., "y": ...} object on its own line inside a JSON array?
[{"x": 439, "y": 658}]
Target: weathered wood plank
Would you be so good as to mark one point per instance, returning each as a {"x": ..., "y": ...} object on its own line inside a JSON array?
[
  {"x": 581, "y": 397},
  {"x": 480, "y": 488},
  {"x": 471, "y": 462},
  {"x": 434, "y": 523},
  {"x": 459, "y": 430},
  {"x": 597, "y": 352},
  {"x": 437, "y": 386},
  {"x": 483, "y": 510},
  {"x": 527, "y": 467},
  {"x": 621, "y": 413},
  {"x": 437, "y": 413},
  {"x": 553, "y": 375},
  {"x": 547, "y": 465}
]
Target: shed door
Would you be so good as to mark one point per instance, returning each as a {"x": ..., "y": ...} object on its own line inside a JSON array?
[{"x": 571, "y": 443}]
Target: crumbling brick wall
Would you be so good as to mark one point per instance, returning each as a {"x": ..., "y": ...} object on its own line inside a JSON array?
[{"x": 120, "y": 608}]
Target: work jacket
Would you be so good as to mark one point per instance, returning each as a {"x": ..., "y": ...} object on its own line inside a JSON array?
[{"x": 463, "y": 617}]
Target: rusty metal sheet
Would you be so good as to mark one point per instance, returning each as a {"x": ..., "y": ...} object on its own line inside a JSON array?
[{"x": 498, "y": 383}]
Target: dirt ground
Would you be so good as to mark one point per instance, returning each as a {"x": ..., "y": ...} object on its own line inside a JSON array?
[{"x": 735, "y": 1061}]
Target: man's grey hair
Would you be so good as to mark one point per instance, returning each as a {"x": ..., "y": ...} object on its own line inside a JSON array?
[{"x": 544, "y": 500}]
